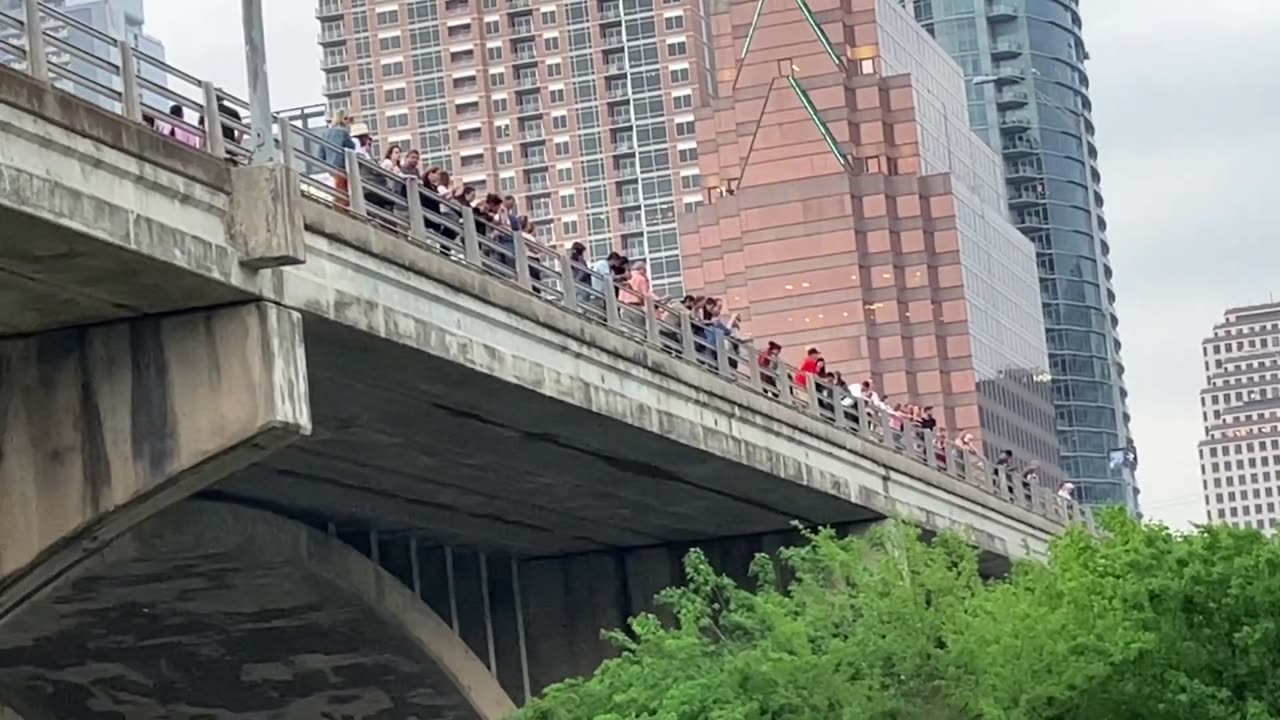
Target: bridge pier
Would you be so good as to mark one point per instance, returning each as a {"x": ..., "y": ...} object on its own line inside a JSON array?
[{"x": 104, "y": 425}]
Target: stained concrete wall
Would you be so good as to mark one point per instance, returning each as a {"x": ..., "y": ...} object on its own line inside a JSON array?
[{"x": 101, "y": 426}]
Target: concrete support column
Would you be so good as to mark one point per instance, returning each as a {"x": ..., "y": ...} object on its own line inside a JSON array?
[
  {"x": 264, "y": 220},
  {"x": 103, "y": 426}
]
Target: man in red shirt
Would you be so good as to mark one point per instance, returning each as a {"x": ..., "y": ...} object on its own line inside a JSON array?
[{"x": 808, "y": 367}]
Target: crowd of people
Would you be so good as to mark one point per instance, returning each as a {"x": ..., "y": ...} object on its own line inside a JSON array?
[{"x": 497, "y": 218}]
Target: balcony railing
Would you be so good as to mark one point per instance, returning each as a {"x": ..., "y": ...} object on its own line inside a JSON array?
[
  {"x": 613, "y": 39},
  {"x": 611, "y": 12},
  {"x": 328, "y": 8},
  {"x": 526, "y": 81},
  {"x": 535, "y": 133},
  {"x": 526, "y": 53},
  {"x": 628, "y": 171},
  {"x": 527, "y": 108}
]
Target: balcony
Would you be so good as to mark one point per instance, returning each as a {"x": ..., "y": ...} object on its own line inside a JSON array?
[
  {"x": 633, "y": 224},
  {"x": 620, "y": 118},
  {"x": 1026, "y": 197},
  {"x": 537, "y": 184},
  {"x": 623, "y": 146},
  {"x": 463, "y": 112},
  {"x": 337, "y": 85},
  {"x": 526, "y": 53},
  {"x": 457, "y": 7},
  {"x": 628, "y": 171},
  {"x": 1023, "y": 170},
  {"x": 613, "y": 39},
  {"x": 610, "y": 12},
  {"x": 632, "y": 198},
  {"x": 1015, "y": 123},
  {"x": 1009, "y": 75},
  {"x": 1006, "y": 49},
  {"x": 332, "y": 36},
  {"x": 615, "y": 65},
  {"x": 522, "y": 28},
  {"x": 540, "y": 212},
  {"x": 519, "y": 4},
  {"x": 333, "y": 60},
  {"x": 1031, "y": 221},
  {"x": 328, "y": 9},
  {"x": 533, "y": 133},
  {"x": 1009, "y": 99},
  {"x": 526, "y": 81},
  {"x": 535, "y": 158},
  {"x": 528, "y": 108},
  {"x": 1020, "y": 145},
  {"x": 617, "y": 92},
  {"x": 1000, "y": 12}
]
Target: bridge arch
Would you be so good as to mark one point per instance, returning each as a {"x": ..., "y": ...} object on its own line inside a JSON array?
[{"x": 218, "y": 611}]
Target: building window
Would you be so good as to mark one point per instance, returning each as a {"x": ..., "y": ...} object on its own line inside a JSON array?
[
  {"x": 505, "y": 157},
  {"x": 389, "y": 43},
  {"x": 397, "y": 121},
  {"x": 559, "y": 122},
  {"x": 394, "y": 95},
  {"x": 564, "y": 175},
  {"x": 673, "y": 22},
  {"x": 497, "y": 79},
  {"x": 492, "y": 27},
  {"x": 393, "y": 70},
  {"x": 555, "y": 70},
  {"x": 679, "y": 76},
  {"x": 688, "y": 155},
  {"x": 493, "y": 52},
  {"x": 549, "y": 17},
  {"x": 681, "y": 102},
  {"x": 501, "y": 131},
  {"x": 551, "y": 43},
  {"x": 388, "y": 17},
  {"x": 685, "y": 128},
  {"x": 489, "y": 4},
  {"x": 677, "y": 49},
  {"x": 507, "y": 183},
  {"x": 690, "y": 182},
  {"x": 568, "y": 201},
  {"x": 556, "y": 96},
  {"x": 562, "y": 148},
  {"x": 692, "y": 205},
  {"x": 499, "y": 105}
]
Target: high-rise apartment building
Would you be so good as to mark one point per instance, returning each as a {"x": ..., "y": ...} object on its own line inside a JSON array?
[
  {"x": 1240, "y": 408},
  {"x": 581, "y": 109},
  {"x": 1028, "y": 98},
  {"x": 121, "y": 19},
  {"x": 855, "y": 211}
]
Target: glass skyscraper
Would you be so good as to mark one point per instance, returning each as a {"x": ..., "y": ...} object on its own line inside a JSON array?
[{"x": 1028, "y": 98}]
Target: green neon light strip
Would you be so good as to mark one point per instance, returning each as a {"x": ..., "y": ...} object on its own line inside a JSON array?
[
  {"x": 822, "y": 36},
  {"x": 813, "y": 115},
  {"x": 755, "y": 21}
]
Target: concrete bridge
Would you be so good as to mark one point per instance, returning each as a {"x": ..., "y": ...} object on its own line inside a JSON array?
[{"x": 261, "y": 459}]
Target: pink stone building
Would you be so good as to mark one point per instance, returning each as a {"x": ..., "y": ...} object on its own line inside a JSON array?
[{"x": 851, "y": 208}]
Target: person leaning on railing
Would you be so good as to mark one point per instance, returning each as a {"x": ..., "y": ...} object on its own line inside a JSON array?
[{"x": 337, "y": 137}]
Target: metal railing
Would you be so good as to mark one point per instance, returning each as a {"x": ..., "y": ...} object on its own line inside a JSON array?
[{"x": 351, "y": 182}]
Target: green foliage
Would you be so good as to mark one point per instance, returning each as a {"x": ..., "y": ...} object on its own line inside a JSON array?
[{"x": 1139, "y": 623}]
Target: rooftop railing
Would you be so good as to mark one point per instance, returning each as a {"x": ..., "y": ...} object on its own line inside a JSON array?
[{"x": 355, "y": 184}]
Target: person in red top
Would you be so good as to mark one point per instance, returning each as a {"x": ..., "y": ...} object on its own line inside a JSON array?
[{"x": 808, "y": 367}]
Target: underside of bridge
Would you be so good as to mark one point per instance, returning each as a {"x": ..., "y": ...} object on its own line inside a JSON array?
[{"x": 211, "y": 610}]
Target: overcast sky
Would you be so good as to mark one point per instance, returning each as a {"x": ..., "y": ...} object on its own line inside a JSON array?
[{"x": 1186, "y": 99}]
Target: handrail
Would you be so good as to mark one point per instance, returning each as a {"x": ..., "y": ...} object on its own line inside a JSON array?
[{"x": 399, "y": 204}]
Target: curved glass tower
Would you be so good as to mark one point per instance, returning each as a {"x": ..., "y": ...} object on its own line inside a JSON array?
[{"x": 1028, "y": 98}]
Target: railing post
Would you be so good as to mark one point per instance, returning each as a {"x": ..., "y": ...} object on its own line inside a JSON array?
[
  {"x": 651, "y": 330},
  {"x": 520, "y": 247},
  {"x": 37, "y": 61},
  {"x": 837, "y": 404},
  {"x": 130, "y": 100},
  {"x": 213, "y": 139},
  {"x": 722, "y": 355},
  {"x": 811, "y": 394},
  {"x": 286, "y": 141},
  {"x": 413, "y": 196},
  {"x": 355, "y": 183},
  {"x": 470, "y": 238},
  {"x": 686, "y": 337},
  {"x": 753, "y": 369},
  {"x": 612, "y": 316},
  {"x": 569, "y": 282}
]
